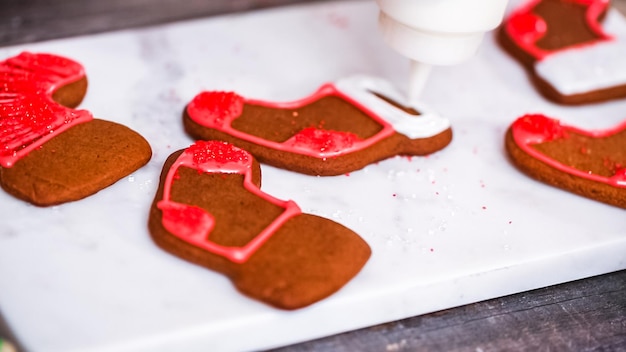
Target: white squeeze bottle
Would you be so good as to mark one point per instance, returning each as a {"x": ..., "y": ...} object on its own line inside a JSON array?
[{"x": 436, "y": 32}]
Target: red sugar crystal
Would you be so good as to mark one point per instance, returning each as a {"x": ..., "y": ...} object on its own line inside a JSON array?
[{"x": 216, "y": 151}]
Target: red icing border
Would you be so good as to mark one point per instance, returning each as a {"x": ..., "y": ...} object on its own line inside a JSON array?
[
  {"x": 525, "y": 28},
  {"x": 536, "y": 128},
  {"x": 29, "y": 116},
  {"x": 193, "y": 224},
  {"x": 217, "y": 110}
]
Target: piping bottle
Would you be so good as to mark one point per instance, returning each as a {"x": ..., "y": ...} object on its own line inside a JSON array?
[{"x": 436, "y": 32}]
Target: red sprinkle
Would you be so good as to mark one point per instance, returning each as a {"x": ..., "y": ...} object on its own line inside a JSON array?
[
  {"x": 222, "y": 152},
  {"x": 216, "y": 108},
  {"x": 324, "y": 140}
]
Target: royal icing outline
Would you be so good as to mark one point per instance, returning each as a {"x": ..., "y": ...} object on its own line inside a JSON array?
[
  {"x": 216, "y": 157},
  {"x": 525, "y": 28},
  {"x": 357, "y": 91},
  {"x": 579, "y": 68},
  {"x": 533, "y": 129},
  {"x": 29, "y": 117}
]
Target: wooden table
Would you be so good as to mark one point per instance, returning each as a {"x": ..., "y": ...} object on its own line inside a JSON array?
[{"x": 588, "y": 314}]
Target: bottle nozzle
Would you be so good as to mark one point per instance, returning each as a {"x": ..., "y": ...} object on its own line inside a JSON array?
[{"x": 418, "y": 75}]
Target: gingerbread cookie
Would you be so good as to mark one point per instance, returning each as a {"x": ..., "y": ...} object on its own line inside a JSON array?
[
  {"x": 209, "y": 209},
  {"x": 51, "y": 153},
  {"x": 588, "y": 163},
  {"x": 340, "y": 128},
  {"x": 573, "y": 53}
]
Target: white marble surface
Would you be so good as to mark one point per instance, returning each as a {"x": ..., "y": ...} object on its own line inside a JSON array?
[{"x": 459, "y": 226}]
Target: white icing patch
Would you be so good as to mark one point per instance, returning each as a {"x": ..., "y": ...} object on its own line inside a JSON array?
[
  {"x": 589, "y": 68},
  {"x": 362, "y": 89}
]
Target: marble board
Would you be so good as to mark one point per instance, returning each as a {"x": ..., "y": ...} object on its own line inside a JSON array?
[{"x": 456, "y": 227}]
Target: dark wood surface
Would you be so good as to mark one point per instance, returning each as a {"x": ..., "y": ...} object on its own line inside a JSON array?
[
  {"x": 25, "y": 21},
  {"x": 584, "y": 315}
]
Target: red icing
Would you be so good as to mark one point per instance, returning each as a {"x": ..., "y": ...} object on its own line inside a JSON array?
[
  {"x": 525, "y": 28},
  {"x": 193, "y": 224},
  {"x": 536, "y": 128},
  {"x": 186, "y": 221},
  {"x": 28, "y": 115},
  {"x": 620, "y": 177},
  {"x": 216, "y": 155},
  {"x": 323, "y": 141},
  {"x": 217, "y": 110}
]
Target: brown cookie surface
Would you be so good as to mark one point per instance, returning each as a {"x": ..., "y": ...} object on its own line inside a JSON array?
[
  {"x": 77, "y": 163},
  {"x": 593, "y": 166},
  {"x": 306, "y": 258}
]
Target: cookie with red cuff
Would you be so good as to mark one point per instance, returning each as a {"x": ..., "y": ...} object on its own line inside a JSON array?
[
  {"x": 51, "y": 153},
  {"x": 209, "y": 209},
  {"x": 589, "y": 163}
]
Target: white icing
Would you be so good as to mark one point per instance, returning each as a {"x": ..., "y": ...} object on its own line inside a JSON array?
[
  {"x": 589, "y": 68},
  {"x": 362, "y": 89}
]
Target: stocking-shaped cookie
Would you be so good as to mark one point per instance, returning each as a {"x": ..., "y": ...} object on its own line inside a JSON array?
[
  {"x": 51, "y": 153},
  {"x": 210, "y": 210},
  {"x": 571, "y": 56},
  {"x": 340, "y": 128},
  {"x": 588, "y": 163}
]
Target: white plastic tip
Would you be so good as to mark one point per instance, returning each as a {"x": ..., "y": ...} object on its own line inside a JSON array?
[{"x": 418, "y": 75}]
